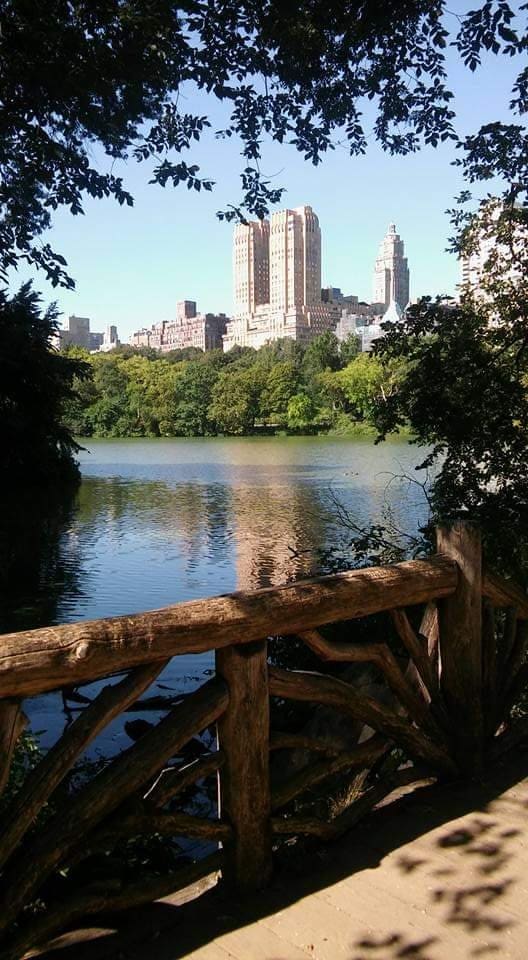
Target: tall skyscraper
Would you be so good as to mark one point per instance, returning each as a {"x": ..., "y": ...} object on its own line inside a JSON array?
[
  {"x": 251, "y": 265},
  {"x": 295, "y": 259},
  {"x": 277, "y": 281},
  {"x": 391, "y": 272}
]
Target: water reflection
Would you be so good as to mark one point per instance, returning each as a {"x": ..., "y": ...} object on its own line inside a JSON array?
[{"x": 157, "y": 522}]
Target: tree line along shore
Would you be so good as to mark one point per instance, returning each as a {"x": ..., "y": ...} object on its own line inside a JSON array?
[{"x": 325, "y": 386}]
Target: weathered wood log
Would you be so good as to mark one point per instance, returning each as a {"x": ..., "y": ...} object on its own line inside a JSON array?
[
  {"x": 489, "y": 668},
  {"x": 384, "y": 659},
  {"x": 505, "y": 593},
  {"x": 417, "y": 650},
  {"x": 299, "y": 741},
  {"x": 38, "y": 660},
  {"x": 58, "y": 761},
  {"x": 517, "y": 655},
  {"x": 429, "y": 630},
  {"x": 146, "y": 824},
  {"x": 314, "y": 687},
  {"x": 12, "y": 723},
  {"x": 359, "y": 758},
  {"x": 175, "y": 780},
  {"x": 461, "y": 645},
  {"x": 508, "y": 637},
  {"x": 355, "y": 812},
  {"x": 105, "y": 793},
  {"x": 89, "y": 902},
  {"x": 243, "y": 733}
]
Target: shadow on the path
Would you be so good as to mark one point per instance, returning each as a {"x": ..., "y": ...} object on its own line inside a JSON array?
[{"x": 469, "y": 894}]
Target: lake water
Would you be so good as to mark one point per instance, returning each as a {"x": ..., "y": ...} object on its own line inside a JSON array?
[{"x": 159, "y": 521}]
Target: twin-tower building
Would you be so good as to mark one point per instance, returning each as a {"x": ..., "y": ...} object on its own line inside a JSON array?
[{"x": 277, "y": 280}]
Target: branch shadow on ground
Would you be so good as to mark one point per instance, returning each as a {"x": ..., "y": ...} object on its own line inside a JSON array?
[{"x": 467, "y": 895}]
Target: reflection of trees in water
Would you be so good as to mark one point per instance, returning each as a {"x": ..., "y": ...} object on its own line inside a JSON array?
[
  {"x": 35, "y": 569},
  {"x": 194, "y": 516},
  {"x": 271, "y": 531}
]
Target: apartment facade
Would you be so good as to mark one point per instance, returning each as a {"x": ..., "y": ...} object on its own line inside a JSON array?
[
  {"x": 391, "y": 271},
  {"x": 279, "y": 260},
  {"x": 78, "y": 334},
  {"x": 190, "y": 329}
]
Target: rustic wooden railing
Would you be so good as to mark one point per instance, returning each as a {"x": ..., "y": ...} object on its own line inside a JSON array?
[{"x": 450, "y": 691}]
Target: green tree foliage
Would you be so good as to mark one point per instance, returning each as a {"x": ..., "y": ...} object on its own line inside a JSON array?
[
  {"x": 322, "y": 353},
  {"x": 349, "y": 348},
  {"x": 235, "y": 401},
  {"x": 361, "y": 383},
  {"x": 86, "y": 84},
  {"x": 464, "y": 394},
  {"x": 193, "y": 396},
  {"x": 281, "y": 385},
  {"x": 301, "y": 412},
  {"x": 35, "y": 383},
  {"x": 130, "y": 394}
]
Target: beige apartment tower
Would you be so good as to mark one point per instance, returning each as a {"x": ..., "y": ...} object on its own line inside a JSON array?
[
  {"x": 391, "y": 271},
  {"x": 277, "y": 281},
  {"x": 295, "y": 259},
  {"x": 251, "y": 266}
]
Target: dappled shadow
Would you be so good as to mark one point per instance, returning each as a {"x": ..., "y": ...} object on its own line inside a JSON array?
[
  {"x": 466, "y": 893},
  {"x": 461, "y": 875},
  {"x": 394, "y": 945}
]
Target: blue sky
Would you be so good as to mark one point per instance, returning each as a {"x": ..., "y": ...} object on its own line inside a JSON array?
[{"x": 131, "y": 265}]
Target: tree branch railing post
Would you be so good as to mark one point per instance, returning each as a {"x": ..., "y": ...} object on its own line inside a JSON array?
[
  {"x": 244, "y": 737},
  {"x": 460, "y": 623}
]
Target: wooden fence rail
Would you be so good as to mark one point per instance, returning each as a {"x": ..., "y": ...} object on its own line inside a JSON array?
[{"x": 446, "y": 680}]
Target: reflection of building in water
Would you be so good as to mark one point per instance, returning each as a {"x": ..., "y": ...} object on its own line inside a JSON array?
[
  {"x": 279, "y": 529},
  {"x": 241, "y": 531}
]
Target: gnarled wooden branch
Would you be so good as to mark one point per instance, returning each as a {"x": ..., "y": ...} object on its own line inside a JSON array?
[
  {"x": 417, "y": 650},
  {"x": 299, "y": 741},
  {"x": 359, "y": 758},
  {"x": 45, "y": 777},
  {"x": 505, "y": 593},
  {"x": 175, "y": 780},
  {"x": 353, "y": 814},
  {"x": 106, "y": 792},
  {"x": 12, "y": 723},
  {"x": 314, "y": 687},
  {"x": 384, "y": 659},
  {"x": 146, "y": 824},
  {"x": 89, "y": 902}
]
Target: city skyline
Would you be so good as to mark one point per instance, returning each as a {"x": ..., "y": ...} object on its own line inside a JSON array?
[{"x": 131, "y": 265}]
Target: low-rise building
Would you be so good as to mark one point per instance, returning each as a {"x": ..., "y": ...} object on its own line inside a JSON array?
[
  {"x": 190, "y": 329},
  {"x": 78, "y": 334}
]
